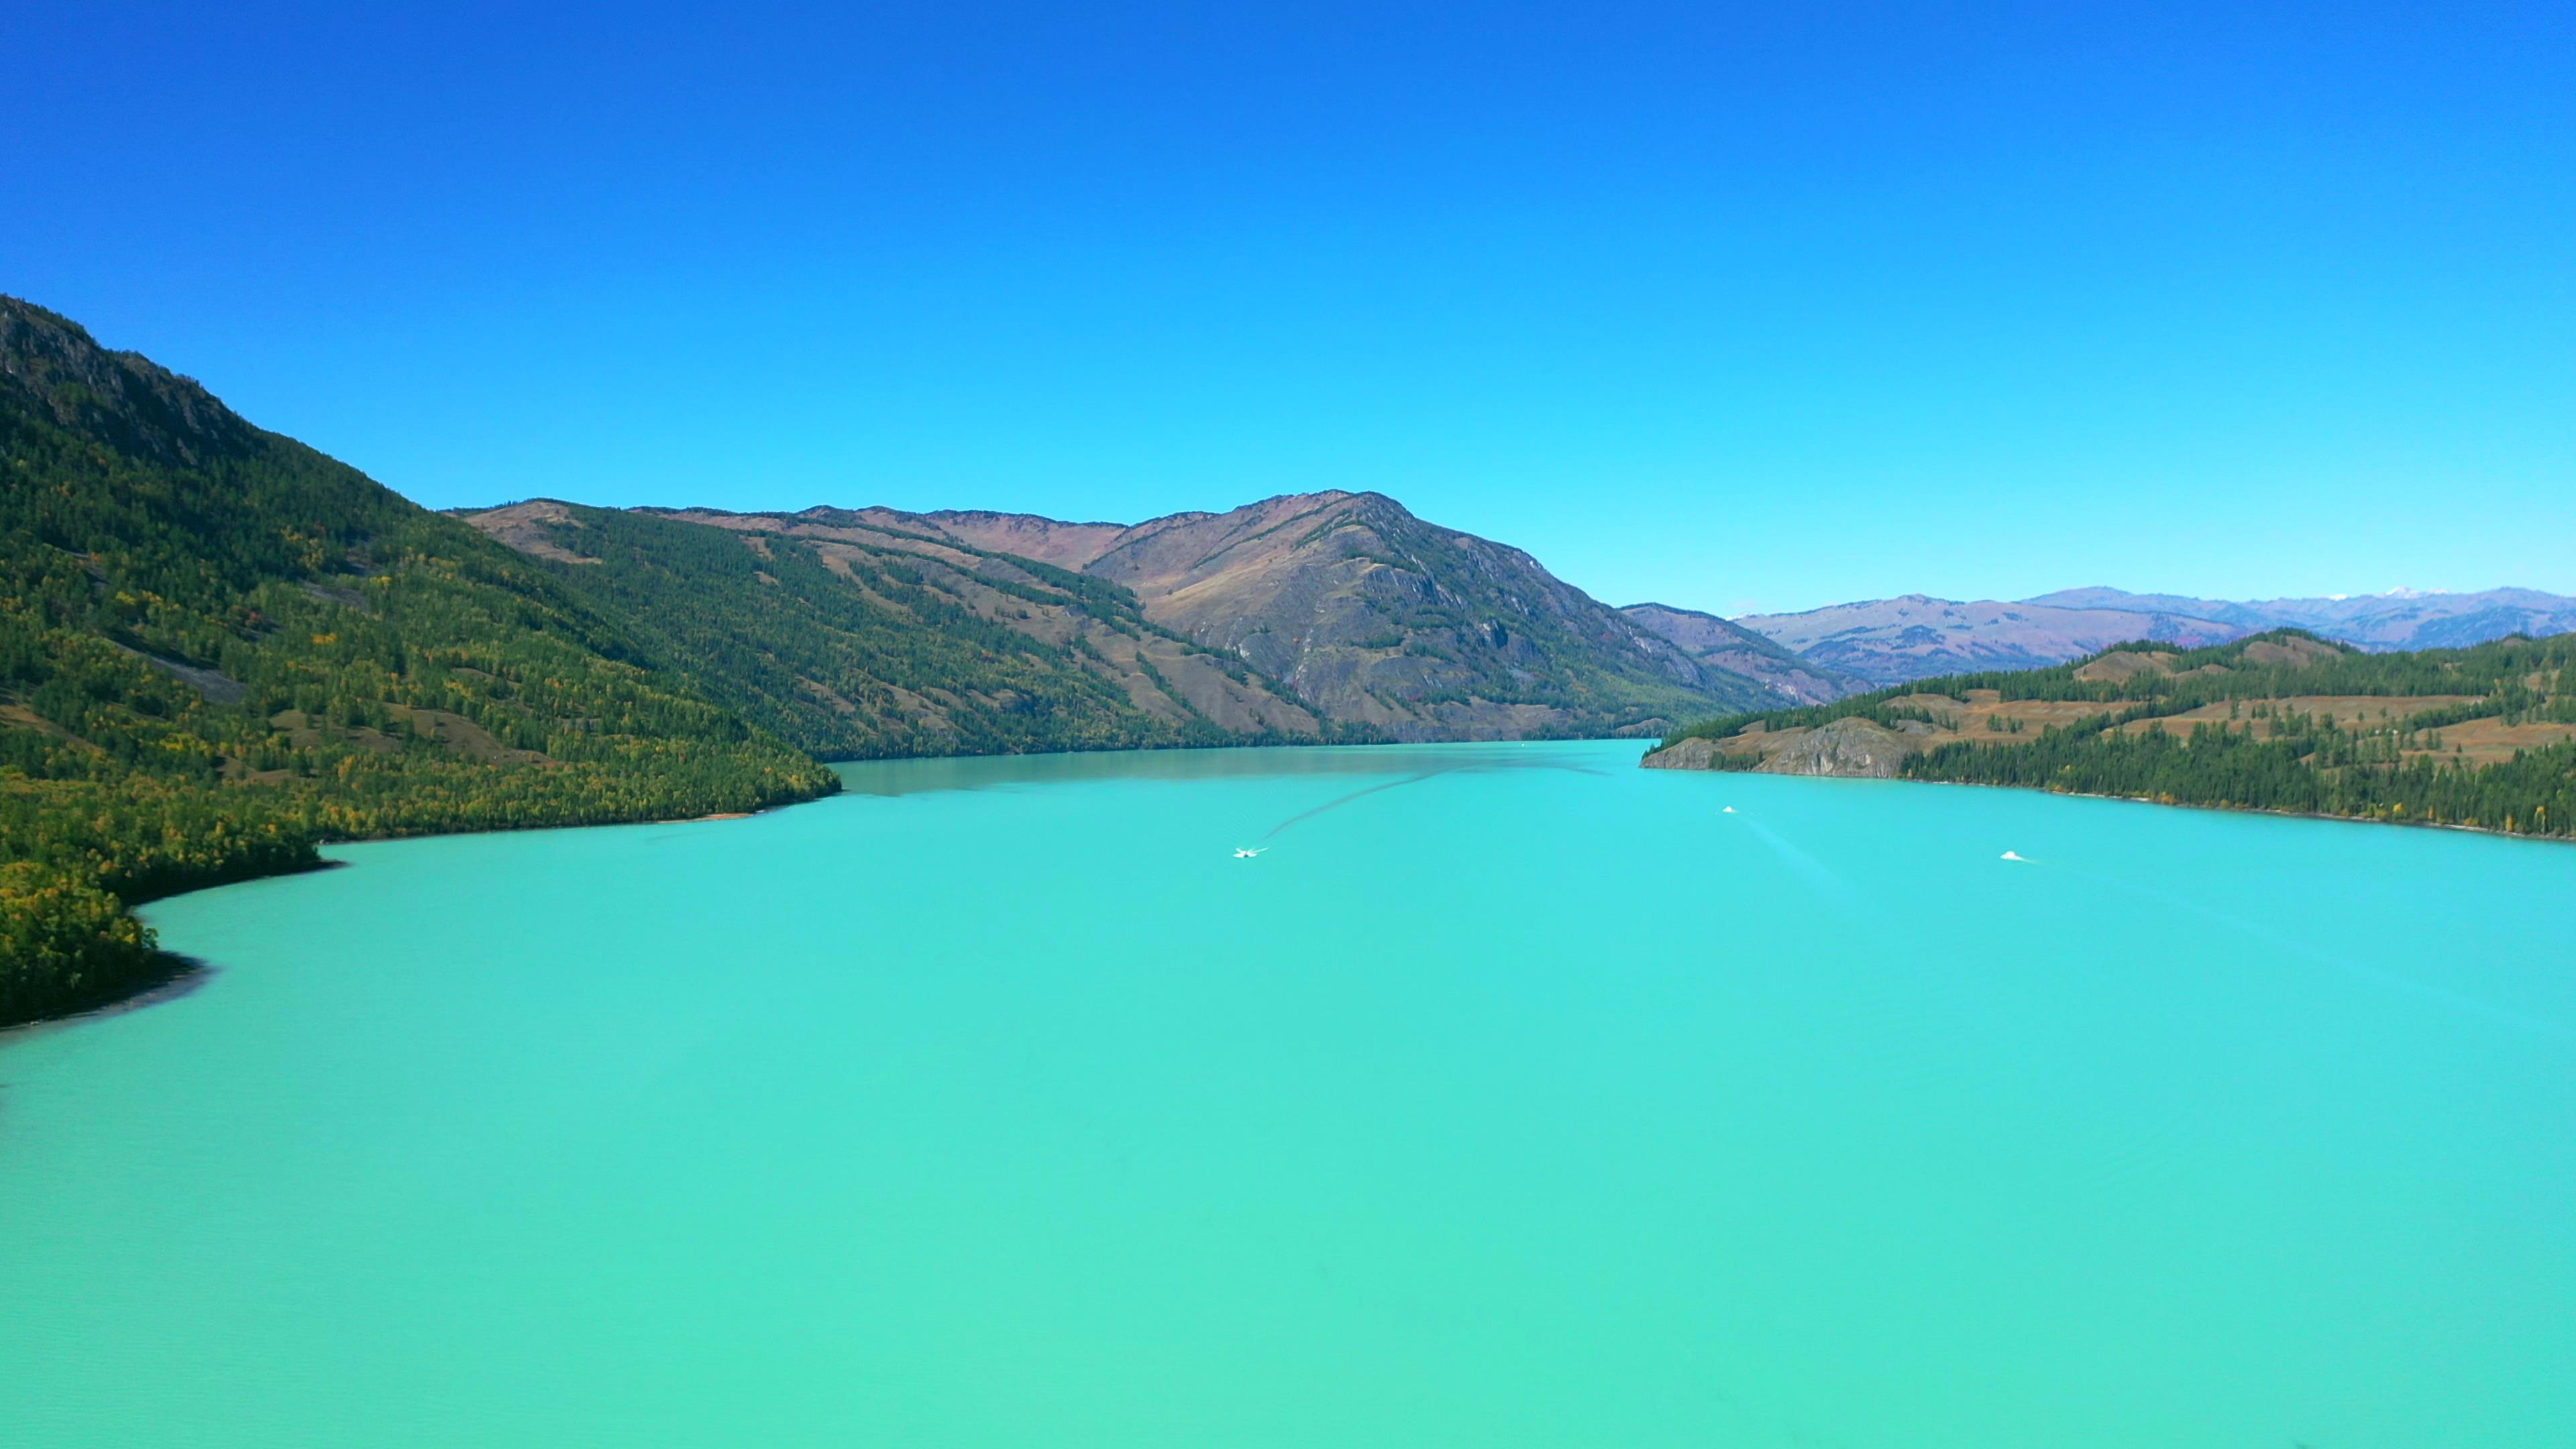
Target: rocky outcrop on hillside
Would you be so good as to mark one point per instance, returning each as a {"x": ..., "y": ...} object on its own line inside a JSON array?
[
  {"x": 1852, "y": 747},
  {"x": 1848, "y": 748}
]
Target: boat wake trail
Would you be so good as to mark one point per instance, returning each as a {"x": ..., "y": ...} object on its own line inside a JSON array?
[{"x": 1346, "y": 799}]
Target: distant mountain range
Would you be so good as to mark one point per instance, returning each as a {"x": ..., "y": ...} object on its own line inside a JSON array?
[
  {"x": 2398, "y": 619},
  {"x": 1914, "y": 636}
]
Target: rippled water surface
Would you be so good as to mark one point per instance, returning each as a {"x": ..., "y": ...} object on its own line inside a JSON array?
[{"x": 1512, "y": 1096}]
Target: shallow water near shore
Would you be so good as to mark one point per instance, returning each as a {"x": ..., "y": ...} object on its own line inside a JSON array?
[{"x": 1512, "y": 1096}]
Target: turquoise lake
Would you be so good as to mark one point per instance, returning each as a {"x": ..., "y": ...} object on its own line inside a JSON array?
[{"x": 1513, "y": 1096}]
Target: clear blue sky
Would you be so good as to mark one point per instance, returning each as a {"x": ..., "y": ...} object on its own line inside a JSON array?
[{"x": 1719, "y": 305}]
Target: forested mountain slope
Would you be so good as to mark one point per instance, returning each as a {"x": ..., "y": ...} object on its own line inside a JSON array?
[
  {"x": 854, "y": 637},
  {"x": 1343, "y": 604},
  {"x": 218, "y": 647},
  {"x": 2482, "y": 737}
]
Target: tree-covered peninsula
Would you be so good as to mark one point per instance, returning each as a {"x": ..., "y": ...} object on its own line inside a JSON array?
[{"x": 2483, "y": 737}]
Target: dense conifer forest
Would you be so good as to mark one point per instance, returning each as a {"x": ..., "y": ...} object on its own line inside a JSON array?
[
  {"x": 2250, "y": 744},
  {"x": 219, "y": 648}
]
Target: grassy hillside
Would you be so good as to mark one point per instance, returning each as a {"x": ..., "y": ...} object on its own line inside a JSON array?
[
  {"x": 2482, "y": 737},
  {"x": 219, "y": 647}
]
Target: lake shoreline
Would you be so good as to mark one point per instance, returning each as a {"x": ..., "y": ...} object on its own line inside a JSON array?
[
  {"x": 156, "y": 987},
  {"x": 148, "y": 988},
  {"x": 2226, "y": 809},
  {"x": 152, "y": 987},
  {"x": 2220, "y": 806}
]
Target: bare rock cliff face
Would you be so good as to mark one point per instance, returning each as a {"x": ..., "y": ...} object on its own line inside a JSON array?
[
  {"x": 1852, "y": 747},
  {"x": 1695, "y": 753},
  {"x": 1849, "y": 748}
]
